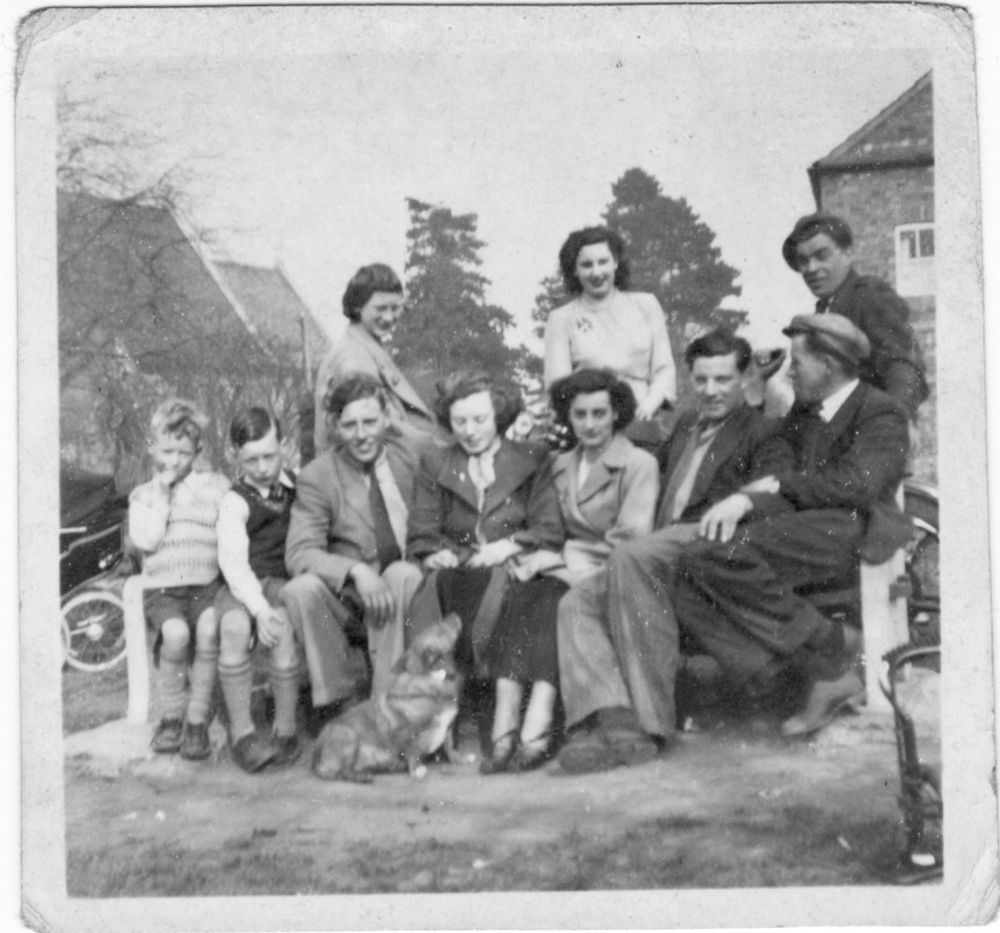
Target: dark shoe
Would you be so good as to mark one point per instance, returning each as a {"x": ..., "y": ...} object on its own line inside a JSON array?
[
  {"x": 167, "y": 737},
  {"x": 252, "y": 751},
  {"x": 533, "y": 753},
  {"x": 501, "y": 752},
  {"x": 587, "y": 750},
  {"x": 195, "y": 745},
  {"x": 629, "y": 743},
  {"x": 287, "y": 749},
  {"x": 826, "y": 699}
]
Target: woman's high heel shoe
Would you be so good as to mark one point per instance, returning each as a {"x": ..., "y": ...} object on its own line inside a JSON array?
[
  {"x": 533, "y": 753},
  {"x": 501, "y": 752}
]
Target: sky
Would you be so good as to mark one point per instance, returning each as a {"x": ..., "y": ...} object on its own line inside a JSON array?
[{"x": 303, "y": 131}]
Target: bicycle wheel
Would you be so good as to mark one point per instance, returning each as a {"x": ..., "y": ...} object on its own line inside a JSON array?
[{"x": 94, "y": 630}]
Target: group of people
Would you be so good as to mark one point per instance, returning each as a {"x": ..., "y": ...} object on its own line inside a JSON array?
[{"x": 583, "y": 578}]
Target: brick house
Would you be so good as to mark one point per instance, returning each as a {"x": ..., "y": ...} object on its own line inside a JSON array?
[{"x": 881, "y": 181}]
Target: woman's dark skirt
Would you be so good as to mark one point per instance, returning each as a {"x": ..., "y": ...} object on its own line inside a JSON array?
[{"x": 523, "y": 644}]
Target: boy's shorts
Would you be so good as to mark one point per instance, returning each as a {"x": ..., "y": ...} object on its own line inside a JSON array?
[
  {"x": 177, "y": 602},
  {"x": 226, "y": 602}
]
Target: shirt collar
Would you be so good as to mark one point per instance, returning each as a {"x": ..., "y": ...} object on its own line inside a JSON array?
[
  {"x": 283, "y": 478},
  {"x": 832, "y": 403}
]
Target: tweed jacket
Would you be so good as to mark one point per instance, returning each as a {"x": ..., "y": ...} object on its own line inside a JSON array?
[
  {"x": 521, "y": 504},
  {"x": 746, "y": 448},
  {"x": 858, "y": 464},
  {"x": 359, "y": 353},
  {"x": 331, "y": 527},
  {"x": 896, "y": 364},
  {"x": 615, "y": 503}
]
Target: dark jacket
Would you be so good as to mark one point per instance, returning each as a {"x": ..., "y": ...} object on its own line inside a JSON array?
[
  {"x": 746, "y": 447},
  {"x": 896, "y": 364},
  {"x": 858, "y": 464},
  {"x": 521, "y": 504}
]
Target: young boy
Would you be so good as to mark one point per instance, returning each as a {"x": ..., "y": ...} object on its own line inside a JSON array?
[
  {"x": 172, "y": 521},
  {"x": 253, "y": 522}
]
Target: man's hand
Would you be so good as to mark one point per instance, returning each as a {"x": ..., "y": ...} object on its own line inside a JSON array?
[
  {"x": 375, "y": 596},
  {"x": 441, "y": 560},
  {"x": 494, "y": 553},
  {"x": 270, "y": 627},
  {"x": 764, "y": 484},
  {"x": 720, "y": 521}
]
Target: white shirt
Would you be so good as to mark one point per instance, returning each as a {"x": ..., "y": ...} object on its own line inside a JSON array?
[
  {"x": 234, "y": 547},
  {"x": 832, "y": 403}
]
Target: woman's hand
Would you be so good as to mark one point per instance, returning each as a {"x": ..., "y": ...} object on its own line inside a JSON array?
[
  {"x": 494, "y": 553},
  {"x": 646, "y": 409},
  {"x": 441, "y": 560}
]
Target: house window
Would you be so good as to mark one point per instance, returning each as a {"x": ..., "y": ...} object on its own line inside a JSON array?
[{"x": 915, "y": 259}]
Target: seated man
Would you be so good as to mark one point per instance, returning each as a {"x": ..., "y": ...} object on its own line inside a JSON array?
[
  {"x": 618, "y": 638},
  {"x": 345, "y": 544},
  {"x": 736, "y": 590}
]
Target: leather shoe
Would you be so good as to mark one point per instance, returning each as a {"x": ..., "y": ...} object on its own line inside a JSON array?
[
  {"x": 826, "y": 699},
  {"x": 167, "y": 737},
  {"x": 252, "y": 751},
  {"x": 195, "y": 745},
  {"x": 629, "y": 743},
  {"x": 501, "y": 752},
  {"x": 587, "y": 750},
  {"x": 287, "y": 749}
]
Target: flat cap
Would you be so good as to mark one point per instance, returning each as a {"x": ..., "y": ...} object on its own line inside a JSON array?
[{"x": 835, "y": 333}]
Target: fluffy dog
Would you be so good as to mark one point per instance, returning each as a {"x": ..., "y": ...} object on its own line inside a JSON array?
[{"x": 412, "y": 719}]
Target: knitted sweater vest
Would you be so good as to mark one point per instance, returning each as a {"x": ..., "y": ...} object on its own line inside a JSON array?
[
  {"x": 267, "y": 528},
  {"x": 188, "y": 554}
]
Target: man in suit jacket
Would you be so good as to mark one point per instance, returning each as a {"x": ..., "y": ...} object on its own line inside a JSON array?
[
  {"x": 820, "y": 247},
  {"x": 738, "y": 590},
  {"x": 618, "y": 636},
  {"x": 346, "y": 540},
  {"x": 373, "y": 303}
]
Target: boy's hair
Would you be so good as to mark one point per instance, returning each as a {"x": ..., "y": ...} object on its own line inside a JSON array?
[
  {"x": 251, "y": 424},
  {"x": 338, "y": 397},
  {"x": 178, "y": 418},
  {"x": 719, "y": 342}
]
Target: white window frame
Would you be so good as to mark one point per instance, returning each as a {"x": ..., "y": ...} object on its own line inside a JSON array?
[{"x": 914, "y": 274}]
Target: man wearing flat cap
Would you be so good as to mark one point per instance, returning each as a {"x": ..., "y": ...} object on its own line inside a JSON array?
[
  {"x": 739, "y": 589},
  {"x": 820, "y": 248}
]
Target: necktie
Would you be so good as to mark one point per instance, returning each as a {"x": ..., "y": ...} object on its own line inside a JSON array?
[
  {"x": 810, "y": 428},
  {"x": 385, "y": 541}
]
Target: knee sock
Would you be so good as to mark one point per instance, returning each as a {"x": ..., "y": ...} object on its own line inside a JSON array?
[
  {"x": 206, "y": 663},
  {"x": 285, "y": 687},
  {"x": 172, "y": 683},
  {"x": 236, "y": 680}
]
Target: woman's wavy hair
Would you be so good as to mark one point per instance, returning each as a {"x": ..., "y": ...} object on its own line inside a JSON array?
[
  {"x": 368, "y": 280},
  {"x": 589, "y": 236},
  {"x": 507, "y": 402},
  {"x": 583, "y": 382}
]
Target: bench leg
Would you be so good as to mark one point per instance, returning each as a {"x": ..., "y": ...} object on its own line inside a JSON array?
[
  {"x": 136, "y": 651},
  {"x": 884, "y": 621}
]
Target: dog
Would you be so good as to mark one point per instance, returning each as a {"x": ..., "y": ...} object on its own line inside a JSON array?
[{"x": 412, "y": 719}]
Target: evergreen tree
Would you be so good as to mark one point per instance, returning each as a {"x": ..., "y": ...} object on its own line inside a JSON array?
[
  {"x": 449, "y": 324},
  {"x": 673, "y": 255}
]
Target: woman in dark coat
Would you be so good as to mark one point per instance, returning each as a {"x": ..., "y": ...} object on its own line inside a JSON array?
[{"x": 479, "y": 506}]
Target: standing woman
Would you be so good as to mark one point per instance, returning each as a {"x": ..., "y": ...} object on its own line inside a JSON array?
[
  {"x": 373, "y": 303},
  {"x": 607, "y": 327},
  {"x": 479, "y": 505}
]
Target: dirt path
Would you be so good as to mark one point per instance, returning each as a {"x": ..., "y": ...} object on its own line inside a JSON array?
[{"x": 734, "y": 807}]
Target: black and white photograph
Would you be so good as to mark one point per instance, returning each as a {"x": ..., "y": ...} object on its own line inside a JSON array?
[{"x": 510, "y": 467}]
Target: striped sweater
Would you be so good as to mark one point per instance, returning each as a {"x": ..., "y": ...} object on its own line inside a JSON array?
[{"x": 176, "y": 531}]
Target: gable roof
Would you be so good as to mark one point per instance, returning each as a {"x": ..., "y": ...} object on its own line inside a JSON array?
[
  {"x": 275, "y": 310},
  {"x": 901, "y": 134}
]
